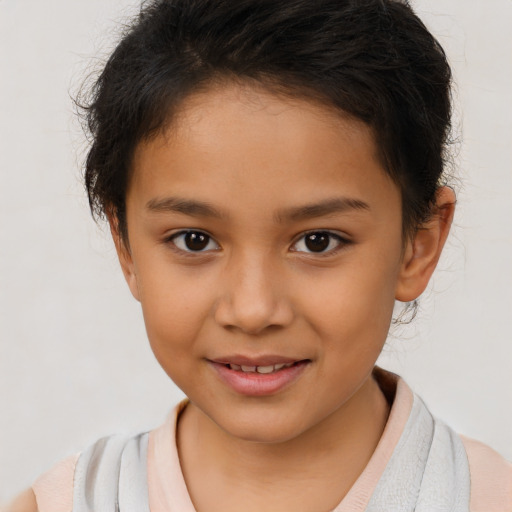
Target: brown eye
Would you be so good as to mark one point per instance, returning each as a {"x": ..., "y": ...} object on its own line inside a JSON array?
[
  {"x": 319, "y": 242},
  {"x": 194, "y": 241}
]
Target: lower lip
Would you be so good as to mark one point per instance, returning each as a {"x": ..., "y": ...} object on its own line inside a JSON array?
[{"x": 259, "y": 384}]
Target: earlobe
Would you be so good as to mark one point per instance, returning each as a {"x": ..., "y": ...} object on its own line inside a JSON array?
[
  {"x": 125, "y": 257},
  {"x": 424, "y": 249}
]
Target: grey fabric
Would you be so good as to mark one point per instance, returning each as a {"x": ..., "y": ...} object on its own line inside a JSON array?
[
  {"x": 111, "y": 476},
  {"x": 428, "y": 471}
]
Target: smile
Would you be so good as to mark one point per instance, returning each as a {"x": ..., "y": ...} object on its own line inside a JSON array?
[
  {"x": 259, "y": 369},
  {"x": 259, "y": 379}
]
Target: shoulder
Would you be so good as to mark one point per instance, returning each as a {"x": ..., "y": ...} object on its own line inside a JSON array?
[
  {"x": 53, "y": 491},
  {"x": 25, "y": 502},
  {"x": 491, "y": 478},
  {"x": 490, "y": 474}
]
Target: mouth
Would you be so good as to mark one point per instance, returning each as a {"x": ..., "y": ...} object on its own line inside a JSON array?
[
  {"x": 263, "y": 369},
  {"x": 261, "y": 377}
]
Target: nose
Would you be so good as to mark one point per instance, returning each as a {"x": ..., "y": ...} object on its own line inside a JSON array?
[{"x": 253, "y": 297}]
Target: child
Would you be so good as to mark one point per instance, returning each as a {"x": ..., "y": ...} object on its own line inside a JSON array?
[{"x": 273, "y": 177}]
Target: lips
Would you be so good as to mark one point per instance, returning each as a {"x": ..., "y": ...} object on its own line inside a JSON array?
[
  {"x": 259, "y": 376},
  {"x": 264, "y": 360},
  {"x": 259, "y": 369}
]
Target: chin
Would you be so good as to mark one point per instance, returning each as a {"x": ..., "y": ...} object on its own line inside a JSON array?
[{"x": 264, "y": 429}]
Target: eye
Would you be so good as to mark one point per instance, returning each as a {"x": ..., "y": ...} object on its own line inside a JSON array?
[
  {"x": 193, "y": 241},
  {"x": 319, "y": 242}
]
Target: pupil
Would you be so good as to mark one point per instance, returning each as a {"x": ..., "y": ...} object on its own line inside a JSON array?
[
  {"x": 317, "y": 242},
  {"x": 196, "y": 241}
]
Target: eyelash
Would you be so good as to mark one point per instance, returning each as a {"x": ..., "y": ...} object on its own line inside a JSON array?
[
  {"x": 172, "y": 241},
  {"x": 342, "y": 242}
]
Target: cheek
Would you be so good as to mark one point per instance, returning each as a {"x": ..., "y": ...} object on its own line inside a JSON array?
[
  {"x": 354, "y": 306},
  {"x": 174, "y": 306}
]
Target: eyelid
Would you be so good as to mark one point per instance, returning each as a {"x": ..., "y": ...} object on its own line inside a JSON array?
[
  {"x": 170, "y": 239},
  {"x": 343, "y": 241}
]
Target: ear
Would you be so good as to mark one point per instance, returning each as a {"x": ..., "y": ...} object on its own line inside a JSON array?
[
  {"x": 424, "y": 249},
  {"x": 125, "y": 256}
]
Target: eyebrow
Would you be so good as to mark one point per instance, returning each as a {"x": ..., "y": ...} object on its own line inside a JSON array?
[
  {"x": 184, "y": 206},
  {"x": 322, "y": 209},
  {"x": 196, "y": 208}
]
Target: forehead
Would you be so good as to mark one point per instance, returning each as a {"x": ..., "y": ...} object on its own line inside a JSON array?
[
  {"x": 240, "y": 141},
  {"x": 259, "y": 117}
]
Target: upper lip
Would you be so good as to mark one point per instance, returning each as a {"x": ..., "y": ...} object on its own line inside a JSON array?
[{"x": 263, "y": 360}]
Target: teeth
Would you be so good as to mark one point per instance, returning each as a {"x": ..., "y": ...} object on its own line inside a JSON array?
[
  {"x": 260, "y": 369},
  {"x": 264, "y": 369}
]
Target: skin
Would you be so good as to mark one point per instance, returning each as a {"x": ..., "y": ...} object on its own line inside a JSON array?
[
  {"x": 25, "y": 502},
  {"x": 257, "y": 289}
]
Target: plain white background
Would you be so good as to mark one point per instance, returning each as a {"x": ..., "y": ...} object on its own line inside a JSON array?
[{"x": 74, "y": 360}]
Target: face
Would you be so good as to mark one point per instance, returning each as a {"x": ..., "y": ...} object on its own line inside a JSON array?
[{"x": 265, "y": 248}]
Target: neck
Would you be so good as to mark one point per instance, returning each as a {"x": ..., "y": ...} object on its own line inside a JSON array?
[{"x": 328, "y": 457}]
